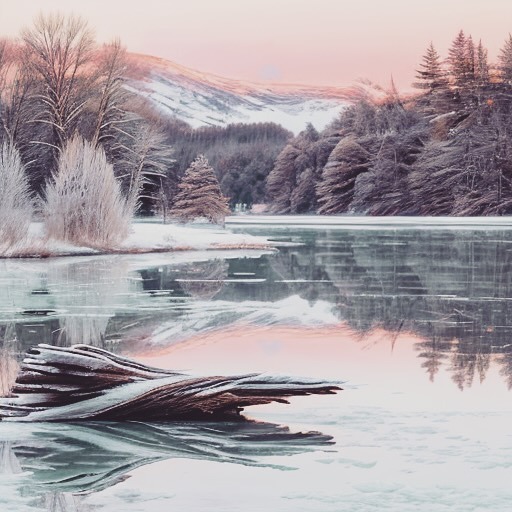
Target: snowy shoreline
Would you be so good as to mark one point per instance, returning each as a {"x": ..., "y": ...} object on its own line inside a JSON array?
[
  {"x": 144, "y": 237},
  {"x": 372, "y": 222}
]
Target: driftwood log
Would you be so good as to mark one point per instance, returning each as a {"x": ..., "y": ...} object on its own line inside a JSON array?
[{"x": 87, "y": 383}]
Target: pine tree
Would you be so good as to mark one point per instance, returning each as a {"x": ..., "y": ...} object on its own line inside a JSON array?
[
  {"x": 505, "y": 60},
  {"x": 458, "y": 59},
  {"x": 199, "y": 194},
  {"x": 336, "y": 188},
  {"x": 481, "y": 65},
  {"x": 430, "y": 75},
  {"x": 291, "y": 183},
  {"x": 281, "y": 180},
  {"x": 470, "y": 59}
]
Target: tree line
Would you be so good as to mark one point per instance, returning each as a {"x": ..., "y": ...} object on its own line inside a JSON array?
[
  {"x": 242, "y": 156},
  {"x": 444, "y": 151}
]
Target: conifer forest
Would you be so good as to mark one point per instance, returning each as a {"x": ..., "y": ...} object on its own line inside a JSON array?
[{"x": 443, "y": 150}]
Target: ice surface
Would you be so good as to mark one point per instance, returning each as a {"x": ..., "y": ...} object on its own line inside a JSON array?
[
  {"x": 402, "y": 442},
  {"x": 203, "y": 316}
]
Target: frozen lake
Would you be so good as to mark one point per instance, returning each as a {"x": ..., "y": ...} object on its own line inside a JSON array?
[{"x": 416, "y": 321}]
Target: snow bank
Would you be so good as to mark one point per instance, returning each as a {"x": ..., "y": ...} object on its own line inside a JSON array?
[{"x": 144, "y": 237}]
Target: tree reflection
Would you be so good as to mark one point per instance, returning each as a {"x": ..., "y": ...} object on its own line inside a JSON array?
[
  {"x": 66, "y": 301},
  {"x": 90, "y": 291},
  {"x": 433, "y": 357},
  {"x": 452, "y": 288},
  {"x": 203, "y": 280}
]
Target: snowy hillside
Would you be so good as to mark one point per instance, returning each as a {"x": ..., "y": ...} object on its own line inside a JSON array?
[{"x": 202, "y": 99}]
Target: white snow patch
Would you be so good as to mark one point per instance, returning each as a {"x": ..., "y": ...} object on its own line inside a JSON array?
[
  {"x": 206, "y": 104},
  {"x": 143, "y": 237}
]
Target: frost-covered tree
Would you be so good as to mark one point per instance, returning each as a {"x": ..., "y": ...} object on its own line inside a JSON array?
[
  {"x": 199, "y": 195},
  {"x": 110, "y": 104},
  {"x": 470, "y": 59},
  {"x": 84, "y": 203},
  {"x": 145, "y": 157},
  {"x": 505, "y": 60},
  {"x": 458, "y": 60},
  {"x": 282, "y": 179},
  {"x": 481, "y": 64},
  {"x": 15, "y": 201},
  {"x": 58, "y": 51},
  {"x": 430, "y": 74},
  {"x": 291, "y": 183},
  {"x": 336, "y": 189}
]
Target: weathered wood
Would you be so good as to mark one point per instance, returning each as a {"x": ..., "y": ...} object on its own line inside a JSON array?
[{"x": 84, "y": 382}]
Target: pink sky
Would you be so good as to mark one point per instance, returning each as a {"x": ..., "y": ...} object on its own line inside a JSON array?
[{"x": 325, "y": 42}]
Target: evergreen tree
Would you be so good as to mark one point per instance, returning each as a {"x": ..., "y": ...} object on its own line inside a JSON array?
[
  {"x": 458, "y": 59},
  {"x": 430, "y": 75},
  {"x": 199, "y": 194},
  {"x": 482, "y": 64},
  {"x": 470, "y": 59},
  {"x": 282, "y": 179},
  {"x": 336, "y": 188},
  {"x": 505, "y": 60},
  {"x": 291, "y": 183}
]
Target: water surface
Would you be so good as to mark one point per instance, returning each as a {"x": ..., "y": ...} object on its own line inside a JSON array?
[{"x": 415, "y": 321}]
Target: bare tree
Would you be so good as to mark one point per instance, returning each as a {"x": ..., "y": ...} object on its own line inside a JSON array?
[
  {"x": 146, "y": 159},
  {"x": 110, "y": 105},
  {"x": 58, "y": 50}
]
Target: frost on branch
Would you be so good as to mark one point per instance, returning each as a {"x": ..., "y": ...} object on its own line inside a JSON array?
[
  {"x": 15, "y": 201},
  {"x": 84, "y": 203},
  {"x": 199, "y": 195}
]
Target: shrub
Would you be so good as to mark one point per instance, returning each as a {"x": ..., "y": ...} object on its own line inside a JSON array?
[
  {"x": 84, "y": 203},
  {"x": 16, "y": 205}
]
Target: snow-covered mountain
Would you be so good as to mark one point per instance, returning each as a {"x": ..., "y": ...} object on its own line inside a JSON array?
[{"x": 202, "y": 99}]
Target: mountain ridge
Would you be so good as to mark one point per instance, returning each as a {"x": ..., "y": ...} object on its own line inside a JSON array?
[{"x": 206, "y": 99}]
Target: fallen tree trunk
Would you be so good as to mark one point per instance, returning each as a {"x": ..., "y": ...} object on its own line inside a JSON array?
[{"x": 87, "y": 383}]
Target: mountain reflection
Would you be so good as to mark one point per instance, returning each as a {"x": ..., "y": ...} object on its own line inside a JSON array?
[{"x": 453, "y": 289}]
